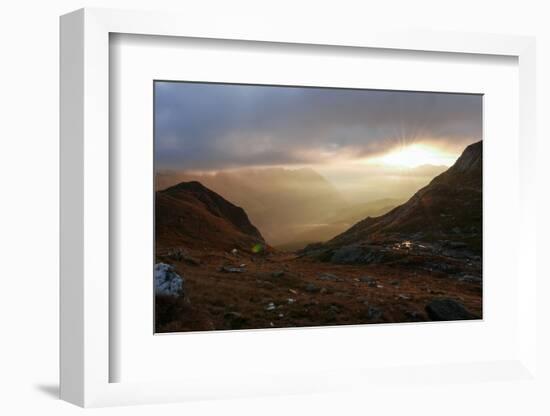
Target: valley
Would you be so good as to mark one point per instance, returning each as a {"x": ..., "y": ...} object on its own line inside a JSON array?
[{"x": 395, "y": 261}]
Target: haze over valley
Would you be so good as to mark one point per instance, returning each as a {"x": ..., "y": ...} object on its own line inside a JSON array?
[{"x": 297, "y": 206}]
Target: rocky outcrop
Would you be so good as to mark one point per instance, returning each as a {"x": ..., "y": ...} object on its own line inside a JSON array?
[
  {"x": 167, "y": 281},
  {"x": 446, "y": 309}
]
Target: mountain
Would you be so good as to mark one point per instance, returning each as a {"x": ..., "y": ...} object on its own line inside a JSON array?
[
  {"x": 443, "y": 217},
  {"x": 191, "y": 214},
  {"x": 356, "y": 212},
  {"x": 282, "y": 202}
]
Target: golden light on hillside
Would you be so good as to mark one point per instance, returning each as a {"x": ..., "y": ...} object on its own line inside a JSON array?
[{"x": 415, "y": 155}]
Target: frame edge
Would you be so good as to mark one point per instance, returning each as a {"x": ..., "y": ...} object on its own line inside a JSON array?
[
  {"x": 83, "y": 35},
  {"x": 71, "y": 155}
]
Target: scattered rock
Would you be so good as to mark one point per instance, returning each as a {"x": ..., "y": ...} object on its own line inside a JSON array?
[
  {"x": 234, "y": 251},
  {"x": 270, "y": 306},
  {"x": 446, "y": 309},
  {"x": 457, "y": 244},
  {"x": 334, "y": 309},
  {"x": 330, "y": 277},
  {"x": 293, "y": 291},
  {"x": 167, "y": 281},
  {"x": 229, "y": 269},
  {"x": 379, "y": 286},
  {"x": 192, "y": 260},
  {"x": 323, "y": 290},
  {"x": 291, "y": 300},
  {"x": 265, "y": 283},
  {"x": 278, "y": 273},
  {"x": 403, "y": 297},
  {"x": 348, "y": 255},
  {"x": 312, "y": 288},
  {"x": 373, "y": 313},
  {"x": 234, "y": 320},
  {"x": 355, "y": 254},
  {"x": 342, "y": 294},
  {"x": 415, "y": 316},
  {"x": 367, "y": 279},
  {"x": 179, "y": 254},
  {"x": 470, "y": 279}
]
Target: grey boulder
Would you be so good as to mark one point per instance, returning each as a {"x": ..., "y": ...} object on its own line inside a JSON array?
[
  {"x": 167, "y": 281},
  {"x": 445, "y": 309}
]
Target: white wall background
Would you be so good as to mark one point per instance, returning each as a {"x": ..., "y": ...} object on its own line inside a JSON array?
[{"x": 29, "y": 206}]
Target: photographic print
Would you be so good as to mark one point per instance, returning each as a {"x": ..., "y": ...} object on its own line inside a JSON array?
[{"x": 289, "y": 206}]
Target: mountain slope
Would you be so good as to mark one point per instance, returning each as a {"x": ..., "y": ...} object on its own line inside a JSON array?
[
  {"x": 191, "y": 214},
  {"x": 337, "y": 223},
  {"x": 450, "y": 204},
  {"x": 445, "y": 214}
]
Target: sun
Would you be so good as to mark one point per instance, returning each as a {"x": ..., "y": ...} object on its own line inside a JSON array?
[{"x": 415, "y": 155}]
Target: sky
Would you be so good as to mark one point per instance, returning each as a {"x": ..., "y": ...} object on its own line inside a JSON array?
[{"x": 345, "y": 134}]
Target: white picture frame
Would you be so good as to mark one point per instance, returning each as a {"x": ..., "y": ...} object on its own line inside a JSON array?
[{"x": 85, "y": 212}]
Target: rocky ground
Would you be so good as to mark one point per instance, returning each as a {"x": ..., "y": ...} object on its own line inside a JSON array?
[{"x": 238, "y": 290}]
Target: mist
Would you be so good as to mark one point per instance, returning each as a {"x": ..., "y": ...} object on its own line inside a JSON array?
[{"x": 293, "y": 207}]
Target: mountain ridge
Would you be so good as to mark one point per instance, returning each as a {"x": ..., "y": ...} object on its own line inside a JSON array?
[
  {"x": 464, "y": 176},
  {"x": 444, "y": 217},
  {"x": 191, "y": 213}
]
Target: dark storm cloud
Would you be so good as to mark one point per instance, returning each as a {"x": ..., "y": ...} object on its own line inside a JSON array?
[{"x": 215, "y": 126}]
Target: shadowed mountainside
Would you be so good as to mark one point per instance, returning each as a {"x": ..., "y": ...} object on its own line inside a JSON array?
[{"x": 191, "y": 214}]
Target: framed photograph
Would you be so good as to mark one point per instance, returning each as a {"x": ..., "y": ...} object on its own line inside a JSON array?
[
  {"x": 283, "y": 206},
  {"x": 288, "y": 206}
]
